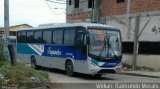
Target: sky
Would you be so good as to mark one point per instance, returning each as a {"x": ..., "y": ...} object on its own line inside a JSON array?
[{"x": 33, "y": 12}]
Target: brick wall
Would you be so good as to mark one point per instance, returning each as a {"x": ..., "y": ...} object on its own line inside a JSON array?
[
  {"x": 145, "y": 5},
  {"x": 83, "y": 15},
  {"x": 110, "y": 7}
]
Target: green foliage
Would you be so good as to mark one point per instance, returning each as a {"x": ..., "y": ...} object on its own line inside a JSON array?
[
  {"x": 1, "y": 48},
  {"x": 21, "y": 73}
]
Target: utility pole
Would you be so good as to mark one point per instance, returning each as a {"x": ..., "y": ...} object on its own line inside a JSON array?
[
  {"x": 135, "y": 50},
  {"x": 95, "y": 11},
  {"x": 11, "y": 47},
  {"x": 128, "y": 18},
  {"x": 6, "y": 19}
]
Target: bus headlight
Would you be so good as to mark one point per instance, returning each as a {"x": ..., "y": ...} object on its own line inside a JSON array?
[
  {"x": 93, "y": 64},
  {"x": 112, "y": 54},
  {"x": 90, "y": 62}
]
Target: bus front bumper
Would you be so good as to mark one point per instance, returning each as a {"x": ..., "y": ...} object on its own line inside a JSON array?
[{"x": 94, "y": 69}]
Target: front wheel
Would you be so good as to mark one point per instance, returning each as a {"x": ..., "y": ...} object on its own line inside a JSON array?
[
  {"x": 69, "y": 68},
  {"x": 98, "y": 75}
]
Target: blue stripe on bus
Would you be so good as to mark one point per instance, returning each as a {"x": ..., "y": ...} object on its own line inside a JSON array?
[
  {"x": 25, "y": 49},
  {"x": 53, "y": 51}
]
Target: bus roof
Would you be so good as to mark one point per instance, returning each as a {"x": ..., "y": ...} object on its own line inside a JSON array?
[{"x": 69, "y": 25}]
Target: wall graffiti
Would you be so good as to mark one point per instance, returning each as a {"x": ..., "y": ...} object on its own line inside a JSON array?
[{"x": 156, "y": 29}]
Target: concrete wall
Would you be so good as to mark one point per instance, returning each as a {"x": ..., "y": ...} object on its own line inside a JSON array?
[
  {"x": 151, "y": 33},
  {"x": 128, "y": 35},
  {"x": 149, "y": 61}
]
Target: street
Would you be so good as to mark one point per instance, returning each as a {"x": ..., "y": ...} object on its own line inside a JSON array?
[{"x": 81, "y": 81}]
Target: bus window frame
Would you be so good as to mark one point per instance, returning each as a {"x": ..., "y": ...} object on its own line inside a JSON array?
[
  {"x": 41, "y": 41},
  {"x": 84, "y": 35}
]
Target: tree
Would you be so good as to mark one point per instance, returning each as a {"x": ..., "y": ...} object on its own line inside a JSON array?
[{"x": 1, "y": 48}]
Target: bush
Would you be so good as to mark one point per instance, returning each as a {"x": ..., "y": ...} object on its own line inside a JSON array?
[
  {"x": 1, "y": 48},
  {"x": 21, "y": 74}
]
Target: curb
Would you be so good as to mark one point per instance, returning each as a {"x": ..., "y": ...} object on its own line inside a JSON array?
[{"x": 136, "y": 74}]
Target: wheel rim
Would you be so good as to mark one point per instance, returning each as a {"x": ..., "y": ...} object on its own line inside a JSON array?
[
  {"x": 32, "y": 62},
  {"x": 69, "y": 68}
]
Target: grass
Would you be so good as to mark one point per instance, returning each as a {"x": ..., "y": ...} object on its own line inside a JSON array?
[{"x": 21, "y": 74}]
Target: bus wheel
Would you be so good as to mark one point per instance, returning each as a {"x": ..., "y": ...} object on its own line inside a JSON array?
[
  {"x": 98, "y": 75},
  {"x": 33, "y": 62},
  {"x": 69, "y": 68}
]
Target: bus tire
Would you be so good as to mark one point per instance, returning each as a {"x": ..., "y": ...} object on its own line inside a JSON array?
[
  {"x": 33, "y": 62},
  {"x": 98, "y": 75},
  {"x": 69, "y": 68}
]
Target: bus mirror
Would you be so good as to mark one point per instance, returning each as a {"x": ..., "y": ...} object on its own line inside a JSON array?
[{"x": 88, "y": 40}]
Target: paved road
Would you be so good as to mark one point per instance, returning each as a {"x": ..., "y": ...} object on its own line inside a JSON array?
[
  {"x": 81, "y": 81},
  {"x": 60, "y": 77}
]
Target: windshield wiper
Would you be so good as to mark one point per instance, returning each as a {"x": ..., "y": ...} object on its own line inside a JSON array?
[
  {"x": 109, "y": 46},
  {"x": 112, "y": 50}
]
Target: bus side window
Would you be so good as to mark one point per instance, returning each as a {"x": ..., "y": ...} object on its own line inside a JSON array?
[
  {"x": 23, "y": 37},
  {"x": 69, "y": 34},
  {"x": 54, "y": 37},
  {"x": 38, "y": 36},
  {"x": 79, "y": 37},
  {"x": 57, "y": 36},
  {"x": 30, "y": 38},
  {"x": 60, "y": 36},
  {"x": 19, "y": 37},
  {"x": 47, "y": 36}
]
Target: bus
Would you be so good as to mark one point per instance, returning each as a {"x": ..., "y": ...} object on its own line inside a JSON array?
[{"x": 88, "y": 48}]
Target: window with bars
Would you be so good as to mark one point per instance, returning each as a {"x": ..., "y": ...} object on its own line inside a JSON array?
[
  {"x": 90, "y": 3},
  {"x": 76, "y": 3},
  {"x": 149, "y": 48},
  {"x": 120, "y": 1},
  {"x": 128, "y": 47},
  {"x": 70, "y": 2}
]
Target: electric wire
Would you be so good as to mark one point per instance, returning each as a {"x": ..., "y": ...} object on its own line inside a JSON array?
[
  {"x": 52, "y": 9},
  {"x": 64, "y": 2}
]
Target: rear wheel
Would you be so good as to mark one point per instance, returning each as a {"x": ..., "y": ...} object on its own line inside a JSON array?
[
  {"x": 69, "y": 68},
  {"x": 33, "y": 62}
]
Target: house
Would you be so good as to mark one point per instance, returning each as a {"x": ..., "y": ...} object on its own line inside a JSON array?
[
  {"x": 13, "y": 29},
  {"x": 122, "y": 14}
]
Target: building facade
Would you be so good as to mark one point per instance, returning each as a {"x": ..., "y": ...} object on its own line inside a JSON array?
[
  {"x": 13, "y": 29},
  {"x": 122, "y": 14}
]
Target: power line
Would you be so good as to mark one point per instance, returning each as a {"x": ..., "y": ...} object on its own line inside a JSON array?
[
  {"x": 64, "y": 2},
  {"x": 56, "y": 2},
  {"x": 52, "y": 9},
  {"x": 61, "y": 0}
]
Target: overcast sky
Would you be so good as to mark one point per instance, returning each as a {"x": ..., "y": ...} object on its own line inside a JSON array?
[{"x": 33, "y": 12}]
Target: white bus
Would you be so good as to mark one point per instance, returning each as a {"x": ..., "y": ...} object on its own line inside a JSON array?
[{"x": 87, "y": 48}]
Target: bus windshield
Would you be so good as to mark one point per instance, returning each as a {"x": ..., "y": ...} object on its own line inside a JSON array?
[{"x": 104, "y": 43}]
